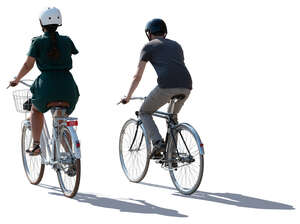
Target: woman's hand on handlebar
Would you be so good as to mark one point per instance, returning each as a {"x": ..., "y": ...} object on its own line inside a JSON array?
[
  {"x": 28, "y": 65},
  {"x": 13, "y": 83}
]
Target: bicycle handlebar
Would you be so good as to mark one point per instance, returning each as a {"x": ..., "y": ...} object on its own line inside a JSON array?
[
  {"x": 134, "y": 98},
  {"x": 137, "y": 98},
  {"x": 24, "y": 82}
]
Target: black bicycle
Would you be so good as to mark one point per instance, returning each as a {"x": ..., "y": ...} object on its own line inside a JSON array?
[{"x": 184, "y": 152}]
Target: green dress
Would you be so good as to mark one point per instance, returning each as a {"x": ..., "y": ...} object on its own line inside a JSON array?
[{"x": 55, "y": 83}]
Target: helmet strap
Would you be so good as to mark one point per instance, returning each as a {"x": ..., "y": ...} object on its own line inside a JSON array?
[
  {"x": 148, "y": 35},
  {"x": 43, "y": 28}
]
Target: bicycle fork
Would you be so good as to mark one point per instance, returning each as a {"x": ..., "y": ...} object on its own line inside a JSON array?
[{"x": 135, "y": 136}]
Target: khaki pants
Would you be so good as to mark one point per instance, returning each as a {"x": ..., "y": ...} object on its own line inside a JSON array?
[{"x": 156, "y": 99}]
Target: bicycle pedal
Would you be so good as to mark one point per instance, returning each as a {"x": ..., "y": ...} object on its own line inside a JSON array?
[
  {"x": 159, "y": 161},
  {"x": 71, "y": 172},
  {"x": 162, "y": 162}
]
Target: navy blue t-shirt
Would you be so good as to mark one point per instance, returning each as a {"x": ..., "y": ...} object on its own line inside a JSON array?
[{"x": 167, "y": 58}]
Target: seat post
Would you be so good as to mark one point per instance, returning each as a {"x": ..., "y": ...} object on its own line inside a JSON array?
[
  {"x": 58, "y": 112},
  {"x": 173, "y": 101},
  {"x": 171, "y": 106}
]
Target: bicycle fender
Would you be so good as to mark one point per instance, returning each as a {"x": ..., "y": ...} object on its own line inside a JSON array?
[{"x": 76, "y": 143}]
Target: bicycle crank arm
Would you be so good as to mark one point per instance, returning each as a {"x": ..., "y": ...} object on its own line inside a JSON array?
[{"x": 188, "y": 159}]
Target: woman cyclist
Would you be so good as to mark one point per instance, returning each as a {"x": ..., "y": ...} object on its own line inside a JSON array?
[{"x": 55, "y": 85}]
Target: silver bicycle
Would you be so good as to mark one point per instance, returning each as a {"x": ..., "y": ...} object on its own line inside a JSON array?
[
  {"x": 184, "y": 152},
  {"x": 61, "y": 151}
]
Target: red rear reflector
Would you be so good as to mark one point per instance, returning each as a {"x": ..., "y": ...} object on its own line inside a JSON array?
[
  {"x": 77, "y": 144},
  {"x": 201, "y": 145},
  {"x": 72, "y": 123}
]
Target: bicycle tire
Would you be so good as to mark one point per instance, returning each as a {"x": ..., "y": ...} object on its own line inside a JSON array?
[
  {"x": 134, "y": 150},
  {"x": 69, "y": 168},
  {"x": 33, "y": 166},
  {"x": 185, "y": 166}
]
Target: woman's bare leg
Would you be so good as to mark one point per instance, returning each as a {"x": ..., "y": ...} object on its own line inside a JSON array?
[{"x": 37, "y": 122}]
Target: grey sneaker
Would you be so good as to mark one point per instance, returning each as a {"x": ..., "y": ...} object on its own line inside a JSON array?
[{"x": 159, "y": 148}]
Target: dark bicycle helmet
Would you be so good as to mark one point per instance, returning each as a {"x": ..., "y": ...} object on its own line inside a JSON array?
[{"x": 156, "y": 27}]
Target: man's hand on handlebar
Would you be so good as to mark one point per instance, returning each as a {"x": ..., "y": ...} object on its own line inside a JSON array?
[{"x": 125, "y": 100}]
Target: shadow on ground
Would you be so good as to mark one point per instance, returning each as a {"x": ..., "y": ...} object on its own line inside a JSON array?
[
  {"x": 123, "y": 205},
  {"x": 230, "y": 199}
]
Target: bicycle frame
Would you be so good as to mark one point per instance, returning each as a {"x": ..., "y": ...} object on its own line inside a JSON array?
[
  {"x": 48, "y": 144},
  {"x": 135, "y": 134},
  {"x": 171, "y": 126},
  {"x": 46, "y": 140}
]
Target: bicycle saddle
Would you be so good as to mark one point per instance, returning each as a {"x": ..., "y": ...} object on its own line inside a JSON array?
[
  {"x": 178, "y": 97},
  {"x": 58, "y": 104}
]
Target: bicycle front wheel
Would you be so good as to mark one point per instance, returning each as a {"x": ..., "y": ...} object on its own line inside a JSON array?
[
  {"x": 33, "y": 166},
  {"x": 188, "y": 164},
  {"x": 69, "y": 169},
  {"x": 134, "y": 148}
]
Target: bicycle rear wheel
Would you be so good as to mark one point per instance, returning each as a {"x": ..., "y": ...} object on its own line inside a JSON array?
[
  {"x": 134, "y": 148},
  {"x": 69, "y": 168},
  {"x": 33, "y": 166},
  {"x": 189, "y": 162}
]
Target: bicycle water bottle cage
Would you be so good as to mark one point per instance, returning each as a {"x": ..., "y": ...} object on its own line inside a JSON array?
[{"x": 27, "y": 105}]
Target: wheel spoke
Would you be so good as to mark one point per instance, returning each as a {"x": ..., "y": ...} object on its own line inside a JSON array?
[
  {"x": 32, "y": 164},
  {"x": 134, "y": 162},
  {"x": 188, "y": 175},
  {"x": 68, "y": 179}
]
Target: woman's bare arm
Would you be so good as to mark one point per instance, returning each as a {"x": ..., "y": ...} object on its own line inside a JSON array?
[{"x": 28, "y": 65}]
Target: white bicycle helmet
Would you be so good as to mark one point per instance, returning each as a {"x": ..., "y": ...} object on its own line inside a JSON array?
[{"x": 51, "y": 16}]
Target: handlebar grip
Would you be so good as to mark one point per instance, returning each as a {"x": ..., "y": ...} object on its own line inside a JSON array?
[{"x": 123, "y": 101}]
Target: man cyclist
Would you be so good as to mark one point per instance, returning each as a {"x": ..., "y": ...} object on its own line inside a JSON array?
[{"x": 174, "y": 79}]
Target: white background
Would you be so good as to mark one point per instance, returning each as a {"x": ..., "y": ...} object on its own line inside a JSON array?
[{"x": 244, "y": 60}]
